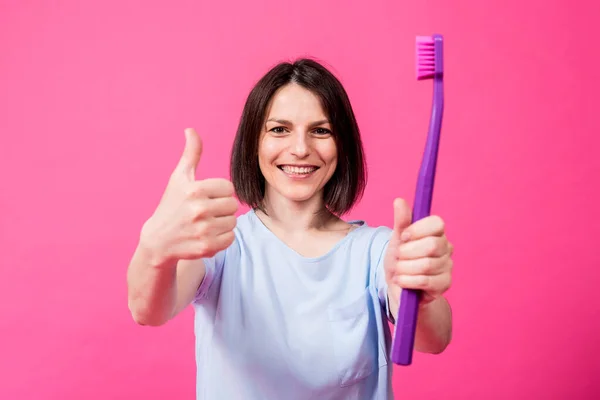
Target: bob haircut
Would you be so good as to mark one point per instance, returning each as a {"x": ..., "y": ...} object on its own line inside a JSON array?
[{"x": 348, "y": 182}]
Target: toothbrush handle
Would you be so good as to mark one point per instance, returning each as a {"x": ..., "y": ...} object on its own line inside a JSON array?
[{"x": 406, "y": 321}]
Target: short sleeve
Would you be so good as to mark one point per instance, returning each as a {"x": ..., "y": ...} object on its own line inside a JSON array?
[
  {"x": 378, "y": 249},
  {"x": 214, "y": 269}
]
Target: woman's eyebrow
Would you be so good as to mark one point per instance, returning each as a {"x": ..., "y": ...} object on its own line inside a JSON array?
[{"x": 286, "y": 122}]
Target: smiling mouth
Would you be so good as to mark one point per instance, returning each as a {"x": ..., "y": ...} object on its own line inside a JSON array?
[{"x": 298, "y": 169}]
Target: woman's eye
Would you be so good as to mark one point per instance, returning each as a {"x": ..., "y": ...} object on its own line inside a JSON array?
[
  {"x": 278, "y": 129},
  {"x": 322, "y": 131}
]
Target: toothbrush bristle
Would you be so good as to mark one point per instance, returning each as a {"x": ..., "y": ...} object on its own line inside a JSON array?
[{"x": 425, "y": 57}]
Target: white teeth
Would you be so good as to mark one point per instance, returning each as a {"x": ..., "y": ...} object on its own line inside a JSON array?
[{"x": 298, "y": 170}]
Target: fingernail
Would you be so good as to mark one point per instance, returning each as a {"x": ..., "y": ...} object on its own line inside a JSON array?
[{"x": 405, "y": 236}]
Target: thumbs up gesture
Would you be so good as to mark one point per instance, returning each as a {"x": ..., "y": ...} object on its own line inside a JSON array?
[
  {"x": 195, "y": 218},
  {"x": 418, "y": 255}
]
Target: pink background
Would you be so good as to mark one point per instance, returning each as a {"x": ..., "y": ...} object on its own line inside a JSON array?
[{"x": 94, "y": 101}]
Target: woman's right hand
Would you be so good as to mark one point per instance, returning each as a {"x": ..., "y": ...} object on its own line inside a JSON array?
[{"x": 195, "y": 218}]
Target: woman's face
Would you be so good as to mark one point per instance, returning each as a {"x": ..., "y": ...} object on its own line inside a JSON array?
[{"x": 297, "y": 154}]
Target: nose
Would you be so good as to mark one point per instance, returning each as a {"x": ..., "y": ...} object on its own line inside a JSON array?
[{"x": 300, "y": 147}]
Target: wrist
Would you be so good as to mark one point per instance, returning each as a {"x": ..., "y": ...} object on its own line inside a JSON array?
[
  {"x": 428, "y": 303},
  {"x": 424, "y": 305},
  {"x": 151, "y": 253}
]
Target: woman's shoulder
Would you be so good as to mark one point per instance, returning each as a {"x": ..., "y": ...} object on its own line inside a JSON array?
[
  {"x": 371, "y": 232},
  {"x": 247, "y": 224},
  {"x": 370, "y": 239}
]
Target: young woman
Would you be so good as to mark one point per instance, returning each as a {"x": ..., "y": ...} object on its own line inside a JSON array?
[{"x": 291, "y": 301}]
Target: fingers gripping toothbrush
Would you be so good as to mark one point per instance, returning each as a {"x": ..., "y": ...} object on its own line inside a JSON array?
[{"x": 429, "y": 65}]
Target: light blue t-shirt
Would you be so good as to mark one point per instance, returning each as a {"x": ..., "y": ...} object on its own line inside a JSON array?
[{"x": 271, "y": 324}]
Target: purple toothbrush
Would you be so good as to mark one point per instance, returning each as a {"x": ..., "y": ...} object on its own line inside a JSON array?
[{"x": 429, "y": 66}]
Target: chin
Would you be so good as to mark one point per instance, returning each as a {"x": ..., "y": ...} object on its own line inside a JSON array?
[
  {"x": 297, "y": 190},
  {"x": 298, "y": 195}
]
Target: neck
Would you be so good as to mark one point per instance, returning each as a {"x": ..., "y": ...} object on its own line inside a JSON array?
[{"x": 296, "y": 216}]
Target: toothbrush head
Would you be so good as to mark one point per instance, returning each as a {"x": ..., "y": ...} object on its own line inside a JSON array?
[{"x": 429, "y": 57}]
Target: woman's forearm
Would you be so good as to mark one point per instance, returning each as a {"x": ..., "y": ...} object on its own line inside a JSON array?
[
  {"x": 434, "y": 323},
  {"x": 434, "y": 326},
  {"x": 151, "y": 289}
]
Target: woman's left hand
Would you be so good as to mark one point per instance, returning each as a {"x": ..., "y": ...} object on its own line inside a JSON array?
[{"x": 419, "y": 255}]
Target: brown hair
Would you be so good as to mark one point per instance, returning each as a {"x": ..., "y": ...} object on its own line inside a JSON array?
[{"x": 347, "y": 185}]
